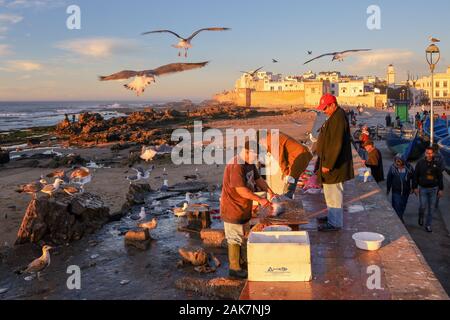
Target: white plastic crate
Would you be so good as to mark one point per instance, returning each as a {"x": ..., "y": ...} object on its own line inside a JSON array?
[{"x": 279, "y": 257}]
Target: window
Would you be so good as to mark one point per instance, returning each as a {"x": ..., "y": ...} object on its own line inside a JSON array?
[
  {"x": 437, "y": 84},
  {"x": 445, "y": 93},
  {"x": 445, "y": 84},
  {"x": 438, "y": 94}
]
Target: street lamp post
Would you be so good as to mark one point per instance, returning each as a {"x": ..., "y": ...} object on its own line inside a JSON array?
[{"x": 433, "y": 55}]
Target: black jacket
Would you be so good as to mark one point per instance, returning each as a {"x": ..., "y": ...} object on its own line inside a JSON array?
[
  {"x": 397, "y": 184},
  {"x": 428, "y": 175},
  {"x": 334, "y": 150}
]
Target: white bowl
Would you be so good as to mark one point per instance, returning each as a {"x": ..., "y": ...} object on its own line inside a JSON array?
[{"x": 368, "y": 240}]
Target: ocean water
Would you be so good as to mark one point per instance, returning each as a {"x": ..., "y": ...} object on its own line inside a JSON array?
[{"x": 21, "y": 115}]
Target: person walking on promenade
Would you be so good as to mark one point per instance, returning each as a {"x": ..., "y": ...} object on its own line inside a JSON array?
[
  {"x": 336, "y": 161},
  {"x": 388, "y": 120},
  {"x": 400, "y": 182},
  {"x": 428, "y": 185}
]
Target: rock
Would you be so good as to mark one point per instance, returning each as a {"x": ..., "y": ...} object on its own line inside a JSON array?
[
  {"x": 138, "y": 234},
  {"x": 3, "y": 290},
  {"x": 116, "y": 216},
  {"x": 221, "y": 288},
  {"x": 213, "y": 237},
  {"x": 124, "y": 282},
  {"x": 137, "y": 194},
  {"x": 196, "y": 257},
  {"x": 62, "y": 219},
  {"x": 141, "y": 245},
  {"x": 33, "y": 142}
]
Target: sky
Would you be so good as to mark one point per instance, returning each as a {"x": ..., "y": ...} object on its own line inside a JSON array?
[{"x": 41, "y": 59}]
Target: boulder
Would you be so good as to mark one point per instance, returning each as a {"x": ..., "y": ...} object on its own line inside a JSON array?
[
  {"x": 4, "y": 157},
  {"x": 62, "y": 219},
  {"x": 138, "y": 234},
  {"x": 221, "y": 288},
  {"x": 140, "y": 245},
  {"x": 213, "y": 237},
  {"x": 137, "y": 193}
]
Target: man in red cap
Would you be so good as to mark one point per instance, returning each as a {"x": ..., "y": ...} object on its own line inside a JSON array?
[{"x": 335, "y": 161}]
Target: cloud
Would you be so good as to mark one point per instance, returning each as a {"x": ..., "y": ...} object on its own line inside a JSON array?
[
  {"x": 6, "y": 20},
  {"x": 31, "y": 3},
  {"x": 10, "y": 18},
  {"x": 384, "y": 56},
  {"x": 5, "y": 50},
  {"x": 21, "y": 65},
  {"x": 375, "y": 62},
  {"x": 98, "y": 47}
]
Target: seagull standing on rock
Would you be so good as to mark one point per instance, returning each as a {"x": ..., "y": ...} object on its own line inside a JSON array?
[
  {"x": 81, "y": 176},
  {"x": 38, "y": 265},
  {"x": 31, "y": 188},
  {"x": 51, "y": 189},
  {"x": 185, "y": 43}
]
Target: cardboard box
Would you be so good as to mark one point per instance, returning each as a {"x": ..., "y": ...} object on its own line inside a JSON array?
[{"x": 279, "y": 257}]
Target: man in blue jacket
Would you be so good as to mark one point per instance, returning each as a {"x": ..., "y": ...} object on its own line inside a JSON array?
[{"x": 400, "y": 181}]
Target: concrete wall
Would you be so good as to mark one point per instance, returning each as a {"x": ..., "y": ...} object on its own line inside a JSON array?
[{"x": 277, "y": 99}]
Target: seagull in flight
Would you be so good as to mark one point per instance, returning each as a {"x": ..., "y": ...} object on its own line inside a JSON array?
[
  {"x": 274, "y": 60},
  {"x": 185, "y": 43},
  {"x": 252, "y": 73},
  {"x": 310, "y": 53},
  {"x": 144, "y": 78},
  {"x": 338, "y": 56}
]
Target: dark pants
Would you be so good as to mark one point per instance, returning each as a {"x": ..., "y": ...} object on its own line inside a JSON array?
[
  {"x": 399, "y": 203},
  {"x": 428, "y": 198}
]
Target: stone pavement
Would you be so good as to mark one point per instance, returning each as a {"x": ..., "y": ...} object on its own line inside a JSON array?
[{"x": 341, "y": 271}]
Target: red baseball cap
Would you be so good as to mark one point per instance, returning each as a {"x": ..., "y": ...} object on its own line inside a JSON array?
[{"x": 326, "y": 100}]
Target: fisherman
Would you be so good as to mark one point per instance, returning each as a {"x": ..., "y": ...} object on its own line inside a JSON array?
[
  {"x": 288, "y": 162},
  {"x": 374, "y": 161},
  {"x": 240, "y": 182},
  {"x": 428, "y": 186},
  {"x": 336, "y": 161}
]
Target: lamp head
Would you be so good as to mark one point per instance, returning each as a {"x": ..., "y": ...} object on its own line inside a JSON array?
[{"x": 433, "y": 55}]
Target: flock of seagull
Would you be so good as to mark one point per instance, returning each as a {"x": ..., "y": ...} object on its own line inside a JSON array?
[
  {"x": 143, "y": 78},
  {"x": 71, "y": 182}
]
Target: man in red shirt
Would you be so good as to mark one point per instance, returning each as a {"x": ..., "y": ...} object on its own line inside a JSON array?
[{"x": 240, "y": 181}]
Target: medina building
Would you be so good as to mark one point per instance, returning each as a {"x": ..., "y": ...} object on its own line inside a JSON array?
[{"x": 441, "y": 86}]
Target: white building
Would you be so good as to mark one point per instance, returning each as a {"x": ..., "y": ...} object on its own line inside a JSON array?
[
  {"x": 332, "y": 76},
  {"x": 351, "y": 89}
]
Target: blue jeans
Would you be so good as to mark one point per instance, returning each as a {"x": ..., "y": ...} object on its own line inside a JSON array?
[
  {"x": 399, "y": 203},
  {"x": 334, "y": 197},
  {"x": 427, "y": 197}
]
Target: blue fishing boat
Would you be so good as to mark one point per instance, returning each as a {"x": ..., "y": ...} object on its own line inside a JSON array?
[
  {"x": 406, "y": 142},
  {"x": 444, "y": 149},
  {"x": 441, "y": 130}
]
